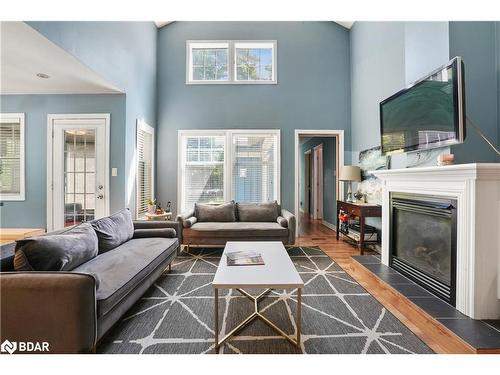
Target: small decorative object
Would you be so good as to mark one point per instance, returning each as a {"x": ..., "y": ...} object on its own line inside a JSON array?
[
  {"x": 169, "y": 204},
  {"x": 344, "y": 222},
  {"x": 445, "y": 159},
  {"x": 152, "y": 206},
  {"x": 350, "y": 173},
  {"x": 372, "y": 160},
  {"x": 360, "y": 197}
]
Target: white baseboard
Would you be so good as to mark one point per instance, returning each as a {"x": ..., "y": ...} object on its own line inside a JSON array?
[{"x": 329, "y": 225}]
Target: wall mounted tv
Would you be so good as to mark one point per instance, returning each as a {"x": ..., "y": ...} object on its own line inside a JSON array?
[{"x": 429, "y": 113}]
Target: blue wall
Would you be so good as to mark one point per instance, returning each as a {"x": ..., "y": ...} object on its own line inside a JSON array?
[
  {"x": 385, "y": 57},
  {"x": 313, "y": 90},
  {"x": 32, "y": 212},
  {"x": 329, "y": 174},
  {"x": 477, "y": 43},
  {"x": 124, "y": 53}
]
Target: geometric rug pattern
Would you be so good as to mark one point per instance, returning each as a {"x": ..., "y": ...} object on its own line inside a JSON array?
[{"x": 338, "y": 315}]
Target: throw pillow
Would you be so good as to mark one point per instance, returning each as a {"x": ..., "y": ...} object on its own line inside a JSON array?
[
  {"x": 215, "y": 213},
  {"x": 257, "y": 211},
  {"x": 114, "y": 230},
  {"x": 56, "y": 252}
]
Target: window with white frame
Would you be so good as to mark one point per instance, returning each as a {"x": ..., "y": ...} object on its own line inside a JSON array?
[
  {"x": 218, "y": 166},
  {"x": 145, "y": 167},
  {"x": 12, "y": 156},
  {"x": 226, "y": 62},
  {"x": 254, "y": 61}
]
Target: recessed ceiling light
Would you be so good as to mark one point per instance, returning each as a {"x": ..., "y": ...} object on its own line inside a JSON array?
[{"x": 42, "y": 75}]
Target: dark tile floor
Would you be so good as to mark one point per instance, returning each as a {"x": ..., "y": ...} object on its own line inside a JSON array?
[{"x": 481, "y": 334}]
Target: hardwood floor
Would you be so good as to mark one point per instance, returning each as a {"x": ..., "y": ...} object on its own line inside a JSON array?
[{"x": 429, "y": 330}]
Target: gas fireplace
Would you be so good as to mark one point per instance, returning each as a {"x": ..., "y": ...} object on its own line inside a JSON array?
[{"x": 422, "y": 244}]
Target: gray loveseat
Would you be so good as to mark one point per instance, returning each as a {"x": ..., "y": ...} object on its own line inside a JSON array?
[
  {"x": 217, "y": 224},
  {"x": 48, "y": 298}
]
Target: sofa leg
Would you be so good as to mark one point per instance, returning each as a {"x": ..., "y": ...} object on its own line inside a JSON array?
[{"x": 170, "y": 267}]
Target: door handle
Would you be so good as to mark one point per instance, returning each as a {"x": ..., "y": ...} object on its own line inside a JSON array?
[{"x": 100, "y": 196}]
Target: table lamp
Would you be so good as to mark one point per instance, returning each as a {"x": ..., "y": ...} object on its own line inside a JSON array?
[{"x": 350, "y": 173}]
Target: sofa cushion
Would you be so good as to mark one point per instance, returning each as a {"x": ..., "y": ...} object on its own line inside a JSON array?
[
  {"x": 237, "y": 229},
  {"x": 56, "y": 252},
  {"x": 257, "y": 211},
  {"x": 113, "y": 230},
  {"x": 122, "y": 269},
  {"x": 225, "y": 212}
]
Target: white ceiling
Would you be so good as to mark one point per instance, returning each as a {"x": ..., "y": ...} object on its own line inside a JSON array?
[
  {"x": 346, "y": 24},
  {"x": 24, "y": 52}
]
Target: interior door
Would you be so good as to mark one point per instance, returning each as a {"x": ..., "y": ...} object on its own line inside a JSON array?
[
  {"x": 79, "y": 170},
  {"x": 318, "y": 182},
  {"x": 307, "y": 182}
]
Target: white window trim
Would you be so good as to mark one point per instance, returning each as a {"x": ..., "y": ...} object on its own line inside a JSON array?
[
  {"x": 228, "y": 158},
  {"x": 143, "y": 126},
  {"x": 274, "y": 79},
  {"x": 231, "y": 66},
  {"x": 22, "y": 187}
]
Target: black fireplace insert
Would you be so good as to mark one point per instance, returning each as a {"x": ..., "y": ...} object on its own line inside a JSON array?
[{"x": 422, "y": 246}]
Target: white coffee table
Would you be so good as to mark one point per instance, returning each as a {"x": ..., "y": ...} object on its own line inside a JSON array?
[{"x": 278, "y": 272}]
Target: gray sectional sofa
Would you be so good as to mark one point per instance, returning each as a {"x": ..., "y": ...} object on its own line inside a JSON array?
[
  {"x": 69, "y": 287},
  {"x": 217, "y": 224}
]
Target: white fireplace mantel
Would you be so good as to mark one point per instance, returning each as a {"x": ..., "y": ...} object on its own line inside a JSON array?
[{"x": 476, "y": 187}]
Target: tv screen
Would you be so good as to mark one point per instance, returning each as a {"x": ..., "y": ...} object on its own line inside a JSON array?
[{"x": 428, "y": 114}]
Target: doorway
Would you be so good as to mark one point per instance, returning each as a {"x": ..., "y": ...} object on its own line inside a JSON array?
[
  {"x": 318, "y": 157},
  {"x": 77, "y": 169}
]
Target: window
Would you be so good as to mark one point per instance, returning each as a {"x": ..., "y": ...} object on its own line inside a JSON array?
[
  {"x": 12, "y": 156},
  {"x": 208, "y": 62},
  {"x": 254, "y": 167},
  {"x": 231, "y": 62},
  {"x": 216, "y": 166},
  {"x": 203, "y": 169},
  {"x": 145, "y": 167},
  {"x": 254, "y": 61}
]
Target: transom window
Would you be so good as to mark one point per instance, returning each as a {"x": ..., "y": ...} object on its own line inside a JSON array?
[
  {"x": 230, "y": 62},
  {"x": 216, "y": 166},
  {"x": 11, "y": 156},
  {"x": 254, "y": 61}
]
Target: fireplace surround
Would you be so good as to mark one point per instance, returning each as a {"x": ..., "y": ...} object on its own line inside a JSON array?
[
  {"x": 476, "y": 189},
  {"x": 422, "y": 245}
]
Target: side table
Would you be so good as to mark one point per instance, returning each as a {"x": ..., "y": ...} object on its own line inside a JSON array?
[{"x": 362, "y": 210}]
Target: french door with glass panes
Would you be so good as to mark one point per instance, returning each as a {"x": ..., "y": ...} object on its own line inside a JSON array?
[{"x": 77, "y": 169}]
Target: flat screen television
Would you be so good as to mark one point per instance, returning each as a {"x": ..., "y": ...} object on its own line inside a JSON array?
[{"x": 429, "y": 113}]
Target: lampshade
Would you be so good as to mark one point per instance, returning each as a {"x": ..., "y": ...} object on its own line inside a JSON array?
[{"x": 350, "y": 173}]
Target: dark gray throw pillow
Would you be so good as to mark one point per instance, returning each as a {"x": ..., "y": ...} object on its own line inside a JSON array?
[
  {"x": 113, "y": 230},
  {"x": 215, "y": 213},
  {"x": 257, "y": 211},
  {"x": 56, "y": 252}
]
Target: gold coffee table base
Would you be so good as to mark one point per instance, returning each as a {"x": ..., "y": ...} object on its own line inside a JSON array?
[{"x": 254, "y": 315}]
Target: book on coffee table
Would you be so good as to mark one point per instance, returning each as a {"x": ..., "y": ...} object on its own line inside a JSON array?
[{"x": 244, "y": 258}]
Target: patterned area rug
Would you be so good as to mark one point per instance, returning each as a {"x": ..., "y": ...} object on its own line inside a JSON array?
[{"x": 338, "y": 315}]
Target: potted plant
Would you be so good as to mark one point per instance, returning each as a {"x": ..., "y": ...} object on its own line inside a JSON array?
[{"x": 152, "y": 206}]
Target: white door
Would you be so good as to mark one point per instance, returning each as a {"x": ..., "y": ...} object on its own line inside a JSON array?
[{"x": 78, "y": 165}]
